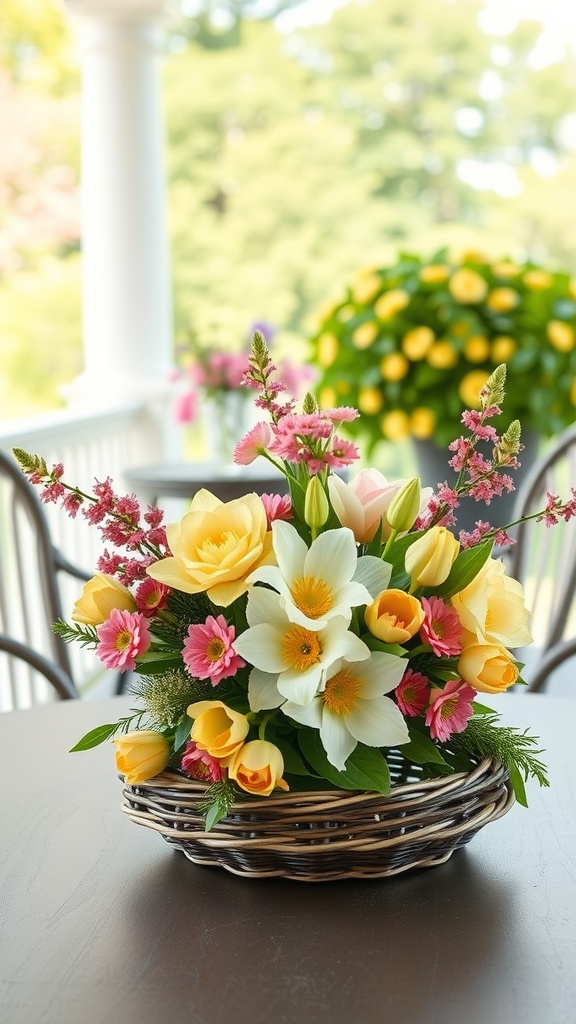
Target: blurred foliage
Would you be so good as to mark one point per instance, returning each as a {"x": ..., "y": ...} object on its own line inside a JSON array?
[{"x": 295, "y": 159}]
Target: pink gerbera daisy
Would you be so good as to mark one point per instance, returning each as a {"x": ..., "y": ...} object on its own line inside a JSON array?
[
  {"x": 449, "y": 709},
  {"x": 151, "y": 596},
  {"x": 441, "y": 628},
  {"x": 277, "y": 506},
  {"x": 122, "y": 638},
  {"x": 200, "y": 765},
  {"x": 412, "y": 693},
  {"x": 208, "y": 652},
  {"x": 253, "y": 444}
]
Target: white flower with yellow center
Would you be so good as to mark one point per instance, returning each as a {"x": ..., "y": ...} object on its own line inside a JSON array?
[
  {"x": 352, "y": 708},
  {"x": 324, "y": 581},
  {"x": 290, "y": 660}
]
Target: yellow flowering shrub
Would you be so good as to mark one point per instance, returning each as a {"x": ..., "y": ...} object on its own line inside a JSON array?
[{"x": 411, "y": 344}]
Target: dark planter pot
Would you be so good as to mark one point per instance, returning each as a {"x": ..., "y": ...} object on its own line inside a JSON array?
[{"x": 433, "y": 468}]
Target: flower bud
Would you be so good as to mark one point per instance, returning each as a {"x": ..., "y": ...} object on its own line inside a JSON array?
[
  {"x": 257, "y": 768},
  {"x": 487, "y": 667},
  {"x": 429, "y": 559},
  {"x": 217, "y": 728},
  {"x": 140, "y": 755},
  {"x": 405, "y": 506},
  {"x": 394, "y": 616},
  {"x": 316, "y": 507}
]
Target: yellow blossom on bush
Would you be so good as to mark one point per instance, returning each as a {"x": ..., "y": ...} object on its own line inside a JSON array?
[
  {"x": 468, "y": 286},
  {"x": 502, "y": 300},
  {"x": 99, "y": 597},
  {"x": 442, "y": 355},
  {"x": 366, "y": 288},
  {"x": 435, "y": 273},
  {"x": 395, "y": 425},
  {"x": 327, "y": 349},
  {"x": 422, "y": 422},
  {"x": 506, "y": 269},
  {"x": 390, "y": 303},
  {"x": 538, "y": 280},
  {"x": 417, "y": 342},
  {"x": 561, "y": 335},
  {"x": 327, "y": 398},
  {"x": 370, "y": 400},
  {"x": 477, "y": 349},
  {"x": 470, "y": 386},
  {"x": 503, "y": 348},
  {"x": 257, "y": 768},
  {"x": 394, "y": 366},
  {"x": 365, "y": 334},
  {"x": 140, "y": 755}
]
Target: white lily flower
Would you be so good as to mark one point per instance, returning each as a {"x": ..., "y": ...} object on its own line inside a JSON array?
[
  {"x": 352, "y": 707},
  {"x": 315, "y": 584},
  {"x": 295, "y": 656}
]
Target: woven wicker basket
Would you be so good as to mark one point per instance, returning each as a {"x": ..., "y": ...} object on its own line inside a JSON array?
[{"x": 323, "y": 836}]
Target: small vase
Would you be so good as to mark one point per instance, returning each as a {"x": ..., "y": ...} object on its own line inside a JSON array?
[
  {"x": 226, "y": 417},
  {"x": 433, "y": 468}
]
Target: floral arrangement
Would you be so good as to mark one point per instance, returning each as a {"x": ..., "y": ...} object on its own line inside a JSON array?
[
  {"x": 412, "y": 344},
  {"x": 293, "y": 642}
]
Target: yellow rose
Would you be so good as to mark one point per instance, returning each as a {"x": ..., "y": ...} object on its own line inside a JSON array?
[
  {"x": 394, "y": 616},
  {"x": 503, "y": 348},
  {"x": 492, "y": 607},
  {"x": 141, "y": 755},
  {"x": 467, "y": 286},
  {"x": 390, "y": 303},
  {"x": 366, "y": 288},
  {"x": 394, "y": 366},
  {"x": 537, "y": 280},
  {"x": 502, "y": 300},
  {"x": 327, "y": 349},
  {"x": 415, "y": 343},
  {"x": 100, "y": 596},
  {"x": 435, "y": 273},
  {"x": 487, "y": 667},
  {"x": 215, "y": 546},
  {"x": 429, "y": 559},
  {"x": 395, "y": 425},
  {"x": 365, "y": 334},
  {"x": 442, "y": 355},
  {"x": 561, "y": 335},
  {"x": 370, "y": 401},
  {"x": 217, "y": 728},
  {"x": 422, "y": 422},
  {"x": 257, "y": 768},
  {"x": 470, "y": 387},
  {"x": 477, "y": 349}
]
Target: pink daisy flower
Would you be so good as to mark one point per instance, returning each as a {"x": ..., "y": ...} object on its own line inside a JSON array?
[
  {"x": 151, "y": 597},
  {"x": 122, "y": 638},
  {"x": 412, "y": 693},
  {"x": 277, "y": 506},
  {"x": 200, "y": 765},
  {"x": 253, "y": 444},
  {"x": 441, "y": 628},
  {"x": 208, "y": 652},
  {"x": 449, "y": 709}
]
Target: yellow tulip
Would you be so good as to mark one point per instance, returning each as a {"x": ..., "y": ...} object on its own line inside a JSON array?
[
  {"x": 390, "y": 303},
  {"x": 416, "y": 343},
  {"x": 561, "y": 335},
  {"x": 217, "y": 728},
  {"x": 257, "y": 768},
  {"x": 100, "y": 596},
  {"x": 395, "y": 425},
  {"x": 394, "y": 616},
  {"x": 215, "y": 546},
  {"x": 487, "y": 667},
  {"x": 502, "y": 300},
  {"x": 365, "y": 335},
  {"x": 429, "y": 559},
  {"x": 140, "y": 755},
  {"x": 470, "y": 387},
  {"x": 394, "y": 366},
  {"x": 467, "y": 286}
]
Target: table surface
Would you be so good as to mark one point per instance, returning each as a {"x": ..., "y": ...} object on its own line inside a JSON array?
[{"x": 101, "y": 920}]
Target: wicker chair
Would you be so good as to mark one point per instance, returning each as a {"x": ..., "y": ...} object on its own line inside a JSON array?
[
  {"x": 544, "y": 560},
  {"x": 27, "y": 664},
  {"x": 552, "y": 659}
]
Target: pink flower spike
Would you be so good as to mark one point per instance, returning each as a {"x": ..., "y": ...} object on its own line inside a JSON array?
[
  {"x": 253, "y": 444},
  {"x": 450, "y": 709},
  {"x": 200, "y": 765},
  {"x": 441, "y": 628},
  {"x": 208, "y": 652},
  {"x": 123, "y": 637},
  {"x": 412, "y": 693},
  {"x": 277, "y": 506}
]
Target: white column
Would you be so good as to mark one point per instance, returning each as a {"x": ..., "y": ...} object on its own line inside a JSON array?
[{"x": 127, "y": 308}]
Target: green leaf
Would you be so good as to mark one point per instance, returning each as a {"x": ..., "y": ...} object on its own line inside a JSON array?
[
  {"x": 151, "y": 668},
  {"x": 95, "y": 737},
  {"x": 518, "y": 785},
  {"x": 465, "y": 569},
  {"x": 182, "y": 733},
  {"x": 366, "y": 768},
  {"x": 481, "y": 709},
  {"x": 293, "y": 763},
  {"x": 379, "y": 645},
  {"x": 214, "y": 814},
  {"x": 421, "y": 749}
]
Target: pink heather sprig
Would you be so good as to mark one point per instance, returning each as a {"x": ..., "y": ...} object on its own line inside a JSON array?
[
  {"x": 258, "y": 376},
  {"x": 118, "y": 517}
]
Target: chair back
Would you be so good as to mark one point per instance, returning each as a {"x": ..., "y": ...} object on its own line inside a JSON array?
[
  {"x": 27, "y": 664},
  {"x": 544, "y": 559}
]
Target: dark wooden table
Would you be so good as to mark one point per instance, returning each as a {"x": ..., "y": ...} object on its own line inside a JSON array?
[
  {"x": 102, "y": 921},
  {"x": 183, "y": 479}
]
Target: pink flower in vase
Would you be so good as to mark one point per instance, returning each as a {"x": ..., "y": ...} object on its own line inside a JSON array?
[
  {"x": 122, "y": 638},
  {"x": 412, "y": 693},
  {"x": 449, "y": 709},
  {"x": 277, "y": 506},
  {"x": 441, "y": 628},
  {"x": 200, "y": 765},
  {"x": 253, "y": 444},
  {"x": 208, "y": 652}
]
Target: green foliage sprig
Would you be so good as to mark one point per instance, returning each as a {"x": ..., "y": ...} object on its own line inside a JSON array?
[{"x": 515, "y": 749}]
